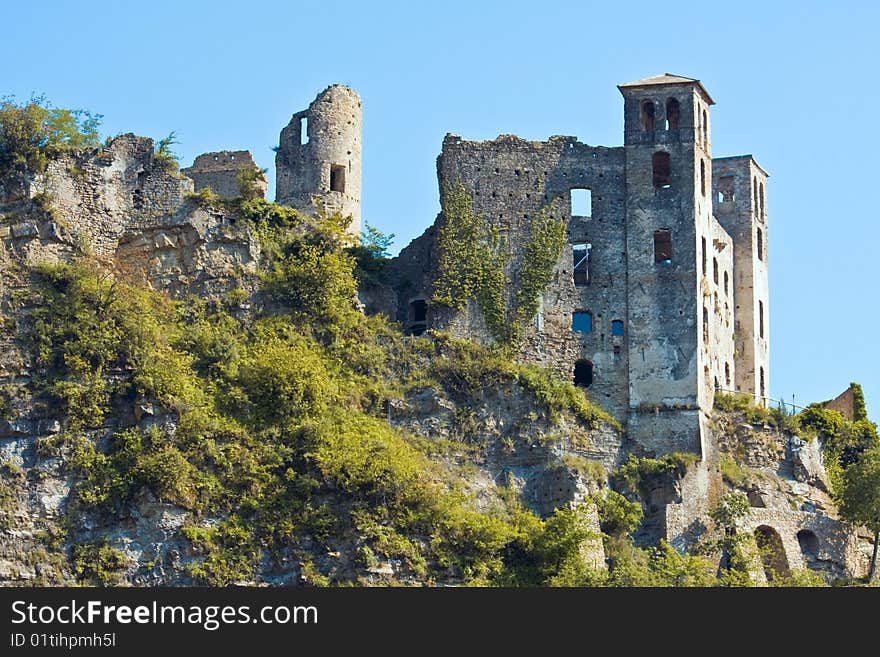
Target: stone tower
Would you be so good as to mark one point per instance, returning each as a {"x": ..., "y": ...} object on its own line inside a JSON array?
[
  {"x": 676, "y": 253},
  {"x": 318, "y": 163},
  {"x": 738, "y": 185}
]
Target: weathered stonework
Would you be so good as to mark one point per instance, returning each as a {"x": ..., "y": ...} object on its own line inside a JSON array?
[
  {"x": 662, "y": 283},
  {"x": 318, "y": 164},
  {"x": 219, "y": 172}
]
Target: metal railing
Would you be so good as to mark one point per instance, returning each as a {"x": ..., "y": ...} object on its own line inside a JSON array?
[{"x": 781, "y": 404}]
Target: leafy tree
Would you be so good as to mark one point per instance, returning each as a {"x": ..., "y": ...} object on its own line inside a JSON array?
[
  {"x": 860, "y": 497},
  {"x": 733, "y": 566},
  {"x": 248, "y": 180},
  {"x": 32, "y": 132},
  {"x": 375, "y": 242}
]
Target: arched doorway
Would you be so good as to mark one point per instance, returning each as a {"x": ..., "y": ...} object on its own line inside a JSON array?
[
  {"x": 772, "y": 553},
  {"x": 809, "y": 545}
]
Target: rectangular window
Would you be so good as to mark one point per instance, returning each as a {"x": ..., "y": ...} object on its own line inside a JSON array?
[
  {"x": 662, "y": 247},
  {"x": 582, "y": 322},
  {"x": 581, "y": 203},
  {"x": 761, "y": 318},
  {"x": 304, "y": 130},
  {"x": 581, "y": 261},
  {"x": 617, "y": 327},
  {"x": 337, "y": 178},
  {"x": 704, "y": 255}
]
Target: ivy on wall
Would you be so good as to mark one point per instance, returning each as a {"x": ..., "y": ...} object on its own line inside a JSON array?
[{"x": 472, "y": 261}]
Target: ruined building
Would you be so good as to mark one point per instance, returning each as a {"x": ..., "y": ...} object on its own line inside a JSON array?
[
  {"x": 660, "y": 295},
  {"x": 219, "y": 172},
  {"x": 317, "y": 164}
]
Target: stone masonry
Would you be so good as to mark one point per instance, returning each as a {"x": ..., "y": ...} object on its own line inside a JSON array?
[
  {"x": 660, "y": 295},
  {"x": 219, "y": 172},
  {"x": 318, "y": 164}
]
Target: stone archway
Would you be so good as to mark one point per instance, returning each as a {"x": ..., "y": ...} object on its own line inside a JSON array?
[{"x": 772, "y": 552}]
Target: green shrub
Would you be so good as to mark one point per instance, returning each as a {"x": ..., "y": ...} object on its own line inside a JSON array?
[{"x": 99, "y": 563}]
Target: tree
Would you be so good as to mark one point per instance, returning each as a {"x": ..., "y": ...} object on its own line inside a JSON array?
[
  {"x": 733, "y": 567},
  {"x": 860, "y": 497},
  {"x": 32, "y": 132}
]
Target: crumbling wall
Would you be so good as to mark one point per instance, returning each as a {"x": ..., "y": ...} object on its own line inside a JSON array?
[
  {"x": 318, "y": 164},
  {"x": 510, "y": 181},
  {"x": 219, "y": 172}
]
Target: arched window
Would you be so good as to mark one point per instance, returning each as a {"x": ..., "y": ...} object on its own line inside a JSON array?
[
  {"x": 662, "y": 169},
  {"x": 703, "y": 177},
  {"x": 705, "y": 129},
  {"x": 648, "y": 116},
  {"x": 809, "y": 544},
  {"x": 673, "y": 113},
  {"x": 725, "y": 284},
  {"x": 616, "y": 327},
  {"x": 583, "y": 373},
  {"x": 727, "y": 374},
  {"x": 715, "y": 270},
  {"x": 761, "y": 200},
  {"x": 760, "y": 245},
  {"x": 772, "y": 552}
]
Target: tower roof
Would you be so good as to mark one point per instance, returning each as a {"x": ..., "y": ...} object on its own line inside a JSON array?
[{"x": 667, "y": 79}]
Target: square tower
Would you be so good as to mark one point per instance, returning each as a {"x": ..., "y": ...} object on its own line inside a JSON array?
[
  {"x": 669, "y": 229},
  {"x": 739, "y": 185}
]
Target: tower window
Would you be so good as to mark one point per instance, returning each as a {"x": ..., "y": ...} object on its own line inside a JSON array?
[
  {"x": 337, "y": 178},
  {"x": 763, "y": 386},
  {"x": 704, "y": 256},
  {"x": 760, "y": 245},
  {"x": 420, "y": 310},
  {"x": 662, "y": 169},
  {"x": 583, "y": 373},
  {"x": 617, "y": 327},
  {"x": 705, "y": 325},
  {"x": 761, "y": 319},
  {"x": 715, "y": 270},
  {"x": 703, "y": 177},
  {"x": 725, "y": 284},
  {"x": 755, "y": 189},
  {"x": 581, "y": 257},
  {"x": 726, "y": 189},
  {"x": 582, "y": 322},
  {"x": 761, "y": 199},
  {"x": 727, "y": 374},
  {"x": 304, "y": 130},
  {"x": 705, "y": 129},
  {"x": 648, "y": 116},
  {"x": 581, "y": 203},
  {"x": 673, "y": 113},
  {"x": 662, "y": 247}
]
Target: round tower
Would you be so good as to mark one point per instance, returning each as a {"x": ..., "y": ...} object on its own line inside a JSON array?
[{"x": 318, "y": 164}]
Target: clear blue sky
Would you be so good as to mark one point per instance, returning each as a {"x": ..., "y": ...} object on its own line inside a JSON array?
[{"x": 795, "y": 85}]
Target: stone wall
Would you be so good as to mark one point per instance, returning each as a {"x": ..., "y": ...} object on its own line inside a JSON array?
[{"x": 219, "y": 172}]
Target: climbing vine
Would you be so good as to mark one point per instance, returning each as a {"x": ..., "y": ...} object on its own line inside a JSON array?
[{"x": 472, "y": 261}]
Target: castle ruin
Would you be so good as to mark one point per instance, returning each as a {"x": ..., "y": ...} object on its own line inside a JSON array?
[{"x": 660, "y": 296}]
